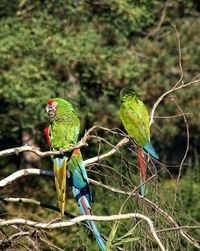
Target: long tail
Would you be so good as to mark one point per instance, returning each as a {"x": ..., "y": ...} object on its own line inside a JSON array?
[
  {"x": 85, "y": 209},
  {"x": 149, "y": 148},
  {"x": 142, "y": 163},
  {"x": 59, "y": 165}
]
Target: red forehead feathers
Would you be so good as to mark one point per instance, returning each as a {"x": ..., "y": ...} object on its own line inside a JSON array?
[{"x": 50, "y": 102}]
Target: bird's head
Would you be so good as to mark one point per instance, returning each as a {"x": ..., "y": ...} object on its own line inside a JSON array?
[
  {"x": 127, "y": 93},
  {"x": 51, "y": 108}
]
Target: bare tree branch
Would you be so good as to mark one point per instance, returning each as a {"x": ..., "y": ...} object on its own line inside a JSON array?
[
  {"x": 105, "y": 155},
  {"x": 32, "y": 171},
  {"x": 26, "y": 148},
  {"x": 81, "y": 143},
  {"x": 167, "y": 93},
  {"x": 24, "y": 172},
  {"x": 20, "y": 233},
  {"x": 177, "y": 228},
  {"x": 84, "y": 218},
  {"x": 179, "y": 85},
  {"x": 33, "y": 149},
  {"x": 152, "y": 205},
  {"x": 34, "y": 202},
  {"x": 186, "y": 150}
]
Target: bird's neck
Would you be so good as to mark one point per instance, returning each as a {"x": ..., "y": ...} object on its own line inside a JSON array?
[{"x": 129, "y": 97}]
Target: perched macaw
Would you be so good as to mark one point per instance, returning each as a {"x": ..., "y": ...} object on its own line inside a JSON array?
[
  {"x": 135, "y": 119},
  {"x": 63, "y": 133}
]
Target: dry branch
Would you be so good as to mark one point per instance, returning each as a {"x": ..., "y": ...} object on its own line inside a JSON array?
[
  {"x": 34, "y": 202},
  {"x": 177, "y": 228},
  {"x": 85, "y": 218},
  {"x": 81, "y": 143},
  {"x": 105, "y": 155},
  {"x": 32, "y": 171},
  {"x": 179, "y": 84},
  {"x": 174, "y": 89},
  {"x": 33, "y": 149}
]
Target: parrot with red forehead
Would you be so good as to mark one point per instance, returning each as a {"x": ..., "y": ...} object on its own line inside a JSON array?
[
  {"x": 135, "y": 119},
  {"x": 63, "y": 133}
]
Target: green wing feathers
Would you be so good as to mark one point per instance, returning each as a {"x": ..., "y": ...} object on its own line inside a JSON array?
[
  {"x": 135, "y": 118},
  {"x": 69, "y": 131},
  {"x": 65, "y": 127}
]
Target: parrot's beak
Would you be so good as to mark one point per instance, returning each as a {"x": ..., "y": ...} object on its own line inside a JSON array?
[{"x": 51, "y": 111}]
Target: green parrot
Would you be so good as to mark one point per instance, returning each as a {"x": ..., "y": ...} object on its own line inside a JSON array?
[
  {"x": 135, "y": 119},
  {"x": 63, "y": 133}
]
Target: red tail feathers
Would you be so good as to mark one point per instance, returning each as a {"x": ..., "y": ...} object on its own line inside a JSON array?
[{"x": 143, "y": 169}]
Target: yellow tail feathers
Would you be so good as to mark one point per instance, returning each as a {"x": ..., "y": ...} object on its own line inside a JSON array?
[{"x": 60, "y": 182}]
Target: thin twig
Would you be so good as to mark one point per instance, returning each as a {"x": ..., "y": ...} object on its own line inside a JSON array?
[
  {"x": 179, "y": 85},
  {"x": 152, "y": 205},
  {"x": 105, "y": 155},
  {"x": 167, "y": 93},
  {"x": 177, "y": 228},
  {"x": 186, "y": 150},
  {"x": 172, "y": 116},
  {"x": 162, "y": 19}
]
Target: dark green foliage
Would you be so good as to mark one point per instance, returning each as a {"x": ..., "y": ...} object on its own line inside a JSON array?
[{"x": 87, "y": 52}]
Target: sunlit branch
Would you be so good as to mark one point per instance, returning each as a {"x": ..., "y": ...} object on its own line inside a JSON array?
[
  {"x": 105, "y": 155},
  {"x": 36, "y": 150},
  {"x": 81, "y": 143},
  {"x": 79, "y": 219},
  {"x": 179, "y": 84},
  {"x": 32, "y": 171},
  {"x": 167, "y": 93},
  {"x": 34, "y": 202},
  {"x": 177, "y": 228},
  {"x": 23, "y": 172},
  {"x": 152, "y": 205},
  {"x": 33, "y": 149},
  {"x": 27, "y": 234}
]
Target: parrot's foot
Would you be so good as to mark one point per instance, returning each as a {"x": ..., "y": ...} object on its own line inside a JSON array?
[
  {"x": 68, "y": 173},
  {"x": 61, "y": 151}
]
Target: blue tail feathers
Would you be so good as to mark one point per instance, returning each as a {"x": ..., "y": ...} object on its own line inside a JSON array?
[
  {"x": 85, "y": 209},
  {"x": 142, "y": 189},
  {"x": 98, "y": 236},
  {"x": 149, "y": 148}
]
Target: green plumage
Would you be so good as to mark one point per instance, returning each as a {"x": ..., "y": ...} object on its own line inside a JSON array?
[
  {"x": 66, "y": 125},
  {"x": 135, "y": 117},
  {"x": 63, "y": 133}
]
